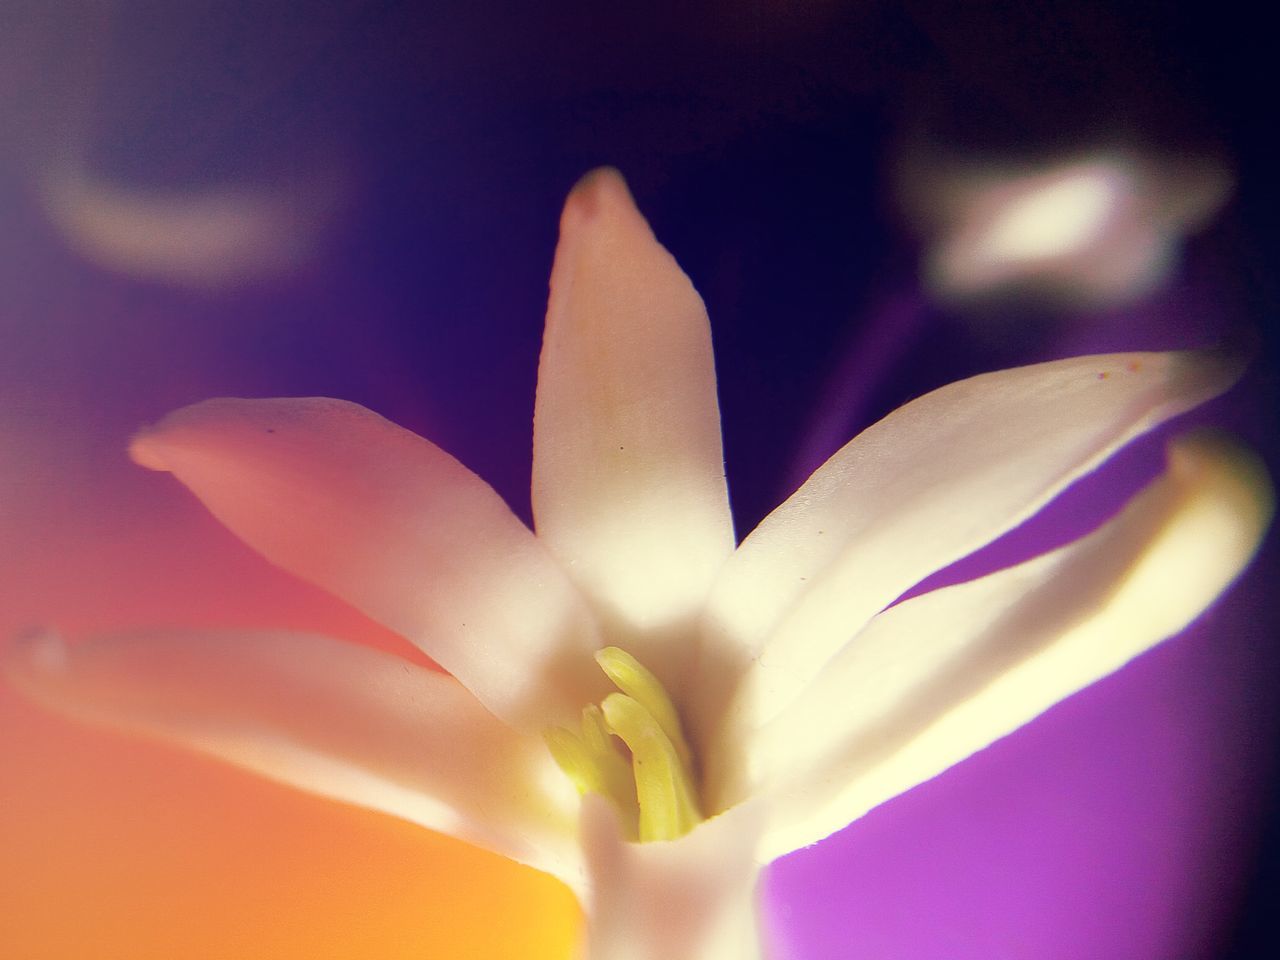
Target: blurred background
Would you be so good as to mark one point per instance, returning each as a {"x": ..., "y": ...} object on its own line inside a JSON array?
[{"x": 359, "y": 199}]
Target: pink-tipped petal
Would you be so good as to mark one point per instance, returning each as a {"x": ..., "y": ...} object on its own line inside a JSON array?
[
  {"x": 938, "y": 677},
  {"x": 930, "y": 483},
  {"x": 334, "y": 719},
  {"x": 628, "y": 473},
  {"x": 389, "y": 522}
]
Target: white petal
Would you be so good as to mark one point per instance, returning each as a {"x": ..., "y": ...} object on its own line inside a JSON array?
[
  {"x": 940, "y": 676},
  {"x": 628, "y": 474},
  {"x": 342, "y": 721},
  {"x": 389, "y": 522},
  {"x": 930, "y": 483},
  {"x": 687, "y": 899}
]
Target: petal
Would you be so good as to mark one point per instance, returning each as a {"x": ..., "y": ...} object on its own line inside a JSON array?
[
  {"x": 331, "y": 718},
  {"x": 389, "y": 522},
  {"x": 940, "y": 676},
  {"x": 208, "y": 238},
  {"x": 628, "y": 473},
  {"x": 928, "y": 484},
  {"x": 686, "y": 899}
]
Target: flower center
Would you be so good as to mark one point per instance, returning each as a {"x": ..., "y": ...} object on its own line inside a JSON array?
[{"x": 654, "y": 791}]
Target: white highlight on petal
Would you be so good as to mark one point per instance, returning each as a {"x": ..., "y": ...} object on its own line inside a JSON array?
[{"x": 940, "y": 676}]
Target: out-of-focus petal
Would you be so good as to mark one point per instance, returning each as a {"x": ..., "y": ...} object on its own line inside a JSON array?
[
  {"x": 332, "y": 718},
  {"x": 686, "y": 899},
  {"x": 628, "y": 473},
  {"x": 1091, "y": 229},
  {"x": 389, "y": 522},
  {"x": 940, "y": 676},
  {"x": 204, "y": 238},
  {"x": 930, "y": 483}
]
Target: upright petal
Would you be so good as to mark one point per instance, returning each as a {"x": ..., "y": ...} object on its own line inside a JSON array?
[
  {"x": 930, "y": 483},
  {"x": 332, "y": 718},
  {"x": 940, "y": 676},
  {"x": 389, "y": 522},
  {"x": 628, "y": 473}
]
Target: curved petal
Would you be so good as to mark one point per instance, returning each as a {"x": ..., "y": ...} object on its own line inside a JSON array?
[
  {"x": 332, "y": 718},
  {"x": 389, "y": 522},
  {"x": 930, "y": 483},
  {"x": 686, "y": 899},
  {"x": 628, "y": 473},
  {"x": 940, "y": 676}
]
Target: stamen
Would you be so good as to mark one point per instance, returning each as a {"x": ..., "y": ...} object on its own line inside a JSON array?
[
  {"x": 615, "y": 772},
  {"x": 654, "y": 794},
  {"x": 594, "y": 765},
  {"x": 571, "y": 755},
  {"x": 668, "y": 808},
  {"x": 633, "y": 679}
]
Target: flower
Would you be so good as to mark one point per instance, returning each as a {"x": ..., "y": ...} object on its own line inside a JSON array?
[
  {"x": 1095, "y": 229},
  {"x": 768, "y": 695}
]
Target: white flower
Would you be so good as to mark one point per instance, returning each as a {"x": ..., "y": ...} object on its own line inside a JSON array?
[
  {"x": 806, "y": 696},
  {"x": 1095, "y": 229}
]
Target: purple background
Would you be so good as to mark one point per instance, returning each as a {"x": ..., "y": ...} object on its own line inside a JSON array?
[{"x": 1136, "y": 820}]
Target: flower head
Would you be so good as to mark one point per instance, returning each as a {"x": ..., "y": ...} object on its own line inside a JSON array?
[{"x": 632, "y": 704}]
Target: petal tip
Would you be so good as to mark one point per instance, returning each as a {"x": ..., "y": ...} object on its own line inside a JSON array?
[
  {"x": 146, "y": 450},
  {"x": 1207, "y": 373},
  {"x": 1211, "y": 457},
  {"x": 601, "y": 187}
]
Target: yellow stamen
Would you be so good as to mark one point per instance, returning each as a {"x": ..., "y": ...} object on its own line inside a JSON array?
[
  {"x": 655, "y": 793},
  {"x": 572, "y": 756},
  {"x": 615, "y": 772},
  {"x": 633, "y": 679},
  {"x": 594, "y": 765},
  {"x": 668, "y": 808}
]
